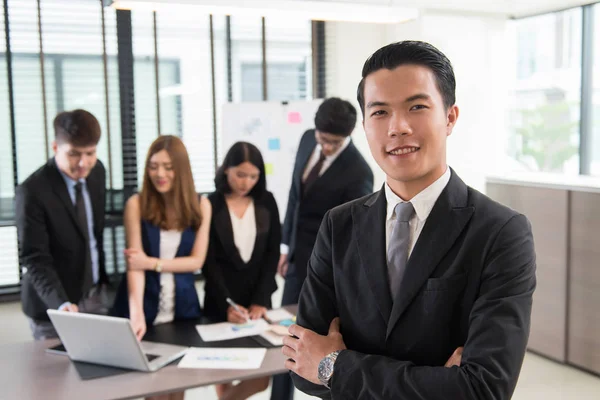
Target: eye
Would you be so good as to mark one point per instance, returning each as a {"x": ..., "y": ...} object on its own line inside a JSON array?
[
  {"x": 418, "y": 107},
  {"x": 378, "y": 113}
]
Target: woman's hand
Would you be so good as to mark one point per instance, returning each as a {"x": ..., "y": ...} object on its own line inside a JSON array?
[
  {"x": 257, "y": 312},
  {"x": 237, "y": 317},
  {"x": 137, "y": 260},
  {"x": 138, "y": 322}
]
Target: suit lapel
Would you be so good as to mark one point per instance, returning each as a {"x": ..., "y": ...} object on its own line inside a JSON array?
[
  {"x": 60, "y": 188},
  {"x": 309, "y": 149},
  {"x": 222, "y": 223},
  {"x": 336, "y": 169},
  {"x": 263, "y": 221},
  {"x": 369, "y": 234},
  {"x": 447, "y": 220}
]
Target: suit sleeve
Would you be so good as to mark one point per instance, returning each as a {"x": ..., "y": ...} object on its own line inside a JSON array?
[
  {"x": 266, "y": 284},
  {"x": 34, "y": 249},
  {"x": 360, "y": 187},
  {"x": 499, "y": 326}
]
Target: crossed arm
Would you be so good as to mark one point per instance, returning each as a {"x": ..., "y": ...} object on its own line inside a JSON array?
[{"x": 492, "y": 356}]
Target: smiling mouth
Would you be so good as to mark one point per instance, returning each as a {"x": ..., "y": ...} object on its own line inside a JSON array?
[{"x": 403, "y": 151}]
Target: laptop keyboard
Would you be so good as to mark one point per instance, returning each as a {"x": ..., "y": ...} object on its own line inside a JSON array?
[{"x": 151, "y": 357}]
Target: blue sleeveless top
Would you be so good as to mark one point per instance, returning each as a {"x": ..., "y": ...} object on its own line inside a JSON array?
[{"x": 187, "y": 305}]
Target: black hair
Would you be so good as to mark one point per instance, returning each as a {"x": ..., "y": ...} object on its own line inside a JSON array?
[
  {"x": 335, "y": 116},
  {"x": 239, "y": 153},
  {"x": 77, "y": 127},
  {"x": 415, "y": 53}
]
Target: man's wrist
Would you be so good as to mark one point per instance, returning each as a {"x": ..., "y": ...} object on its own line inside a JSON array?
[
  {"x": 284, "y": 249},
  {"x": 326, "y": 368},
  {"x": 64, "y": 305}
]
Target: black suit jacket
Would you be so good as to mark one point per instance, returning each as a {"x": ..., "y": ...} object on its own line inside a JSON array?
[
  {"x": 227, "y": 275},
  {"x": 52, "y": 245},
  {"x": 469, "y": 282},
  {"x": 347, "y": 178}
]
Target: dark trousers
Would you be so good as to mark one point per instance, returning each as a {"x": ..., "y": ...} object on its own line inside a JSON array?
[
  {"x": 283, "y": 387},
  {"x": 94, "y": 302}
]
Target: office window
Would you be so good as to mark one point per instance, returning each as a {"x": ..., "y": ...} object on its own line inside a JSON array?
[
  {"x": 595, "y": 161},
  {"x": 545, "y": 95},
  {"x": 6, "y": 160},
  {"x": 289, "y": 59},
  {"x": 246, "y": 52},
  {"x": 185, "y": 89}
]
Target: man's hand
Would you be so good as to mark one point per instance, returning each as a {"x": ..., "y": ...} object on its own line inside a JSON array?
[
  {"x": 137, "y": 260},
  {"x": 455, "y": 358},
  {"x": 308, "y": 348},
  {"x": 256, "y": 311},
  {"x": 70, "y": 308},
  {"x": 282, "y": 267}
]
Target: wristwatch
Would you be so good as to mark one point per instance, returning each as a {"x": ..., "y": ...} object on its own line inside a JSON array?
[
  {"x": 325, "y": 370},
  {"x": 158, "y": 266}
]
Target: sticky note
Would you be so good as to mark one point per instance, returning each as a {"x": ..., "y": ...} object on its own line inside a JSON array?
[
  {"x": 268, "y": 168},
  {"x": 274, "y": 144},
  {"x": 294, "y": 117}
]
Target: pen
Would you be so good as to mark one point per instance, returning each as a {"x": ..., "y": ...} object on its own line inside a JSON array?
[{"x": 236, "y": 308}]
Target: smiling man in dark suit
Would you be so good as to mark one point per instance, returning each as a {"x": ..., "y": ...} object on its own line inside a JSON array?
[
  {"x": 401, "y": 280},
  {"x": 329, "y": 171},
  {"x": 60, "y": 223}
]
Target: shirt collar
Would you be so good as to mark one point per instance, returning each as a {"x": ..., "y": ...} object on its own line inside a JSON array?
[
  {"x": 423, "y": 202},
  {"x": 70, "y": 181},
  {"x": 338, "y": 151}
]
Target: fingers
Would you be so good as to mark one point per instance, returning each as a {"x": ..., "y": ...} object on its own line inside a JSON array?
[
  {"x": 296, "y": 330},
  {"x": 455, "y": 359},
  {"x": 289, "y": 352},
  {"x": 71, "y": 308},
  {"x": 290, "y": 364},
  {"x": 334, "y": 327}
]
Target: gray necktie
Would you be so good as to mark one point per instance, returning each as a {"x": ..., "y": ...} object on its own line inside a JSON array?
[{"x": 397, "y": 253}]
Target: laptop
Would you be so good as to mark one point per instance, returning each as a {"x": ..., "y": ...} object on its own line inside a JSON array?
[{"x": 104, "y": 340}]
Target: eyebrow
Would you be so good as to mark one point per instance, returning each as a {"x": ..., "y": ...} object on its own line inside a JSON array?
[{"x": 418, "y": 96}]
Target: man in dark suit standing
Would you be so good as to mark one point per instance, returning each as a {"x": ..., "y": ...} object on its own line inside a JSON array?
[
  {"x": 329, "y": 171},
  {"x": 60, "y": 224},
  {"x": 424, "y": 289}
]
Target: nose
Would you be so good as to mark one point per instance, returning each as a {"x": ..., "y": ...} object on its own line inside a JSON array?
[{"x": 399, "y": 125}]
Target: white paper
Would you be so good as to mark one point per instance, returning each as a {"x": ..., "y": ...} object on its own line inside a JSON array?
[
  {"x": 279, "y": 314},
  {"x": 273, "y": 338},
  {"x": 223, "y": 358},
  {"x": 227, "y": 330}
]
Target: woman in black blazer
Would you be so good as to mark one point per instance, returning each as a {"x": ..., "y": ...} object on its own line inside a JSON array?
[{"x": 245, "y": 234}]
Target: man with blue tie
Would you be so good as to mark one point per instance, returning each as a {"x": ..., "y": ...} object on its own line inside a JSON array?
[{"x": 60, "y": 224}]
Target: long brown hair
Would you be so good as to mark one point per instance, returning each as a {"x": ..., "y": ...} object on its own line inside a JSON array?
[{"x": 184, "y": 194}]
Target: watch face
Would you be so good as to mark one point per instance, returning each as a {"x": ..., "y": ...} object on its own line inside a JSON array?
[{"x": 325, "y": 369}]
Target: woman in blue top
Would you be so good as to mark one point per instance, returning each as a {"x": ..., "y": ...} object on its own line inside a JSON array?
[{"x": 167, "y": 228}]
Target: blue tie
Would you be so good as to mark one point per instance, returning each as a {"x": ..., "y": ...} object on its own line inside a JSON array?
[{"x": 397, "y": 252}]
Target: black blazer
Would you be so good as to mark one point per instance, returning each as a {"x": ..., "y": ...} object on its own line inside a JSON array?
[
  {"x": 227, "y": 275},
  {"x": 348, "y": 178},
  {"x": 52, "y": 245},
  {"x": 469, "y": 282}
]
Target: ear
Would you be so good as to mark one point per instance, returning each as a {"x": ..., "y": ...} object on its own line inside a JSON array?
[
  {"x": 451, "y": 119},
  {"x": 54, "y": 146}
]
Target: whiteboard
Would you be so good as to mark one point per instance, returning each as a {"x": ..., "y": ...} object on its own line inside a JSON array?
[{"x": 276, "y": 129}]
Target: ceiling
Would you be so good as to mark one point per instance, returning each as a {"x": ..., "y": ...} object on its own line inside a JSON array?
[{"x": 510, "y": 8}]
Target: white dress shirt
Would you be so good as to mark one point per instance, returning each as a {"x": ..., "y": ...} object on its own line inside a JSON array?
[
  {"x": 244, "y": 231},
  {"x": 314, "y": 158},
  {"x": 169, "y": 243},
  {"x": 423, "y": 204}
]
